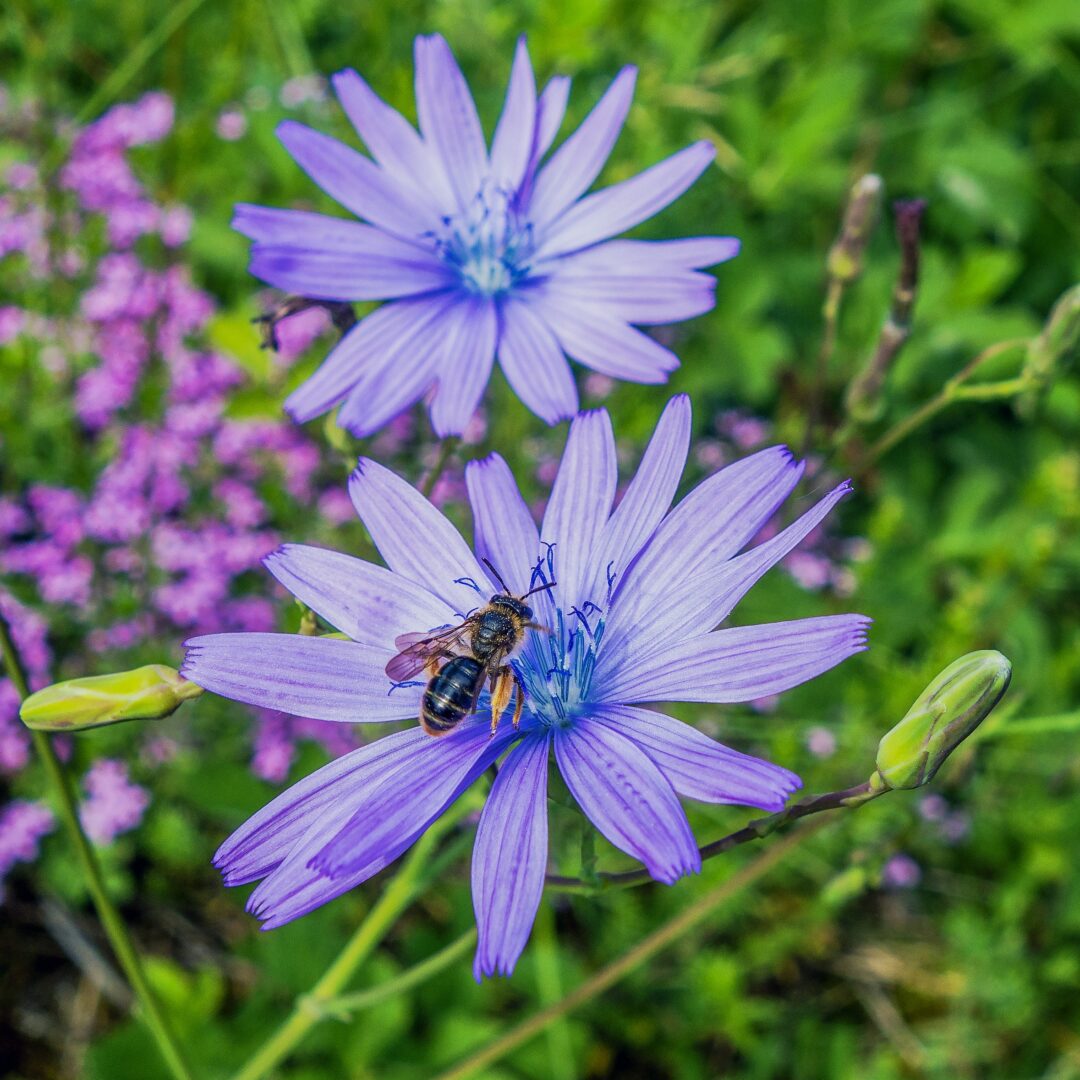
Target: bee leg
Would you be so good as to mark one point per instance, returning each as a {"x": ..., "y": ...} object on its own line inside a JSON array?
[
  {"x": 519, "y": 700},
  {"x": 502, "y": 685},
  {"x": 539, "y": 626}
]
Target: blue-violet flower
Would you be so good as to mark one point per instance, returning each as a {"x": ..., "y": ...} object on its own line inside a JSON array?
[
  {"x": 480, "y": 253},
  {"x": 638, "y": 594}
]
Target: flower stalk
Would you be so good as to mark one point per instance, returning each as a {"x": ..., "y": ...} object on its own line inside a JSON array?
[
  {"x": 863, "y": 400},
  {"x": 115, "y": 928},
  {"x": 645, "y": 950},
  {"x": 324, "y": 999},
  {"x": 758, "y": 829}
]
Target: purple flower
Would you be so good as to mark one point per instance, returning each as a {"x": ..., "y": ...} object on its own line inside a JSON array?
[
  {"x": 22, "y": 826},
  {"x": 481, "y": 253},
  {"x": 114, "y": 805},
  {"x": 639, "y": 591}
]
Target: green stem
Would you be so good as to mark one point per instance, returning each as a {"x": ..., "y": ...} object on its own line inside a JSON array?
[
  {"x": 545, "y": 948},
  {"x": 848, "y": 799},
  {"x": 446, "y": 452},
  {"x": 312, "y": 1008},
  {"x": 134, "y": 61},
  {"x": 343, "y": 1007},
  {"x": 111, "y": 920},
  {"x": 645, "y": 950},
  {"x": 953, "y": 390}
]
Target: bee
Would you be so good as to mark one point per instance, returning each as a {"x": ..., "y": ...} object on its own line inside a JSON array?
[{"x": 469, "y": 653}]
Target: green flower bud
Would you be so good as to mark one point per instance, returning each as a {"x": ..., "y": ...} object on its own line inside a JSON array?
[
  {"x": 944, "y": 715},
  {"x": 147, "y": 693}
]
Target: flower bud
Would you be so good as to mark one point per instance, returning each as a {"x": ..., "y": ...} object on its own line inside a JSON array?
[
  {"x": 944, "y": 715},
  {"x": 845, "y": 260},
  {"x": 147, "y": 693}
]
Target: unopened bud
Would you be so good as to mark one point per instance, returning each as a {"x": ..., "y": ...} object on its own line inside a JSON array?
[
  {"x": 944, "y": 715},
  {"x": 845, "y": 260},
  {"x": 147, "y": 693}
]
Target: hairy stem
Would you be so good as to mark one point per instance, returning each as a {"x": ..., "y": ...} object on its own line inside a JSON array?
[
  {"x": 115, "y": 928},
  {"x": 645, "y": 950},
  {"x": 847, "y": 799}
]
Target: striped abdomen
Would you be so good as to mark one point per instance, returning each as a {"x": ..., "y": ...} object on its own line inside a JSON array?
[{"x": 451, "y": 695}]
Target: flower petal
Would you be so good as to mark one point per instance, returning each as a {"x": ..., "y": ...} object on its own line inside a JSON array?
[
  {"x": 504, "y": 528},
  {"x": 303, "y": 229},
  {"x": 644, "y": 300},
  {"x": 580, "y": 502},
  {"x": 627, "y": 798},
  {"x": 392, "y": 140},
  {"x": 297, "y": 887},
  {"x": 366, "y": 350},
  {"x": 371, "y": 604},
  {"x": 355, "y": 181},
  {"x": 323, "y": 678},
  {"x": 513, "y": 141},
  {"x": 534, "y": 363},
  {"x": 577, "y": 163},
  {"x": 448, "y": 117},
  {"x": 381, "y": 272},
  {"x": 648, "y": 496},
  {"x": 696, "y": 766},
  {"x": 468, "y": 352},
  {"x": 432, "y": 777},
  {"x": 737, "y": 664},
  {"x": 416, "y": 540},
  {"x": 655, "y": 257},
  {"x": 510, "y": 858},
  {"x": 706, "y": 597},
  {"x": 402, "y": 371},
  {"x": 622, "y": 206},
  {"x": 264, "y": 841},
  {"x": 711, "y": 524},
  {"x": 594, "y": 336},
  {"x": 550, "y": 110}
]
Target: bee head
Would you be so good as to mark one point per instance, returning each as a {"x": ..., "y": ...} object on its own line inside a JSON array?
[{"x": 512, "y": 603}]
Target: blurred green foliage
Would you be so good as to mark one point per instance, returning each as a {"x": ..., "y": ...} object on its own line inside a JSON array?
[{"x": 972, "y": 527}]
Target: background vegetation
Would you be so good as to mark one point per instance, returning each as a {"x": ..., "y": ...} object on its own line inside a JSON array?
[{"x": 961, "y": 960}]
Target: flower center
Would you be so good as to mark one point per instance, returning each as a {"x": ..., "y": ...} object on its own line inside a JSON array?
[
  {"x": 557, "y": 668},
  {"x": 488, "y": 245}
]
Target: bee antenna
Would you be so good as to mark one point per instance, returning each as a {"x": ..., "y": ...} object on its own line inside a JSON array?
[
  {"x": 498, "y": 576},
  {"x": 541, "y": 588}
]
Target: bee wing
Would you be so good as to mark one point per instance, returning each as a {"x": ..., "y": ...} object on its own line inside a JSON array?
[{"x": 417, "y": 649}]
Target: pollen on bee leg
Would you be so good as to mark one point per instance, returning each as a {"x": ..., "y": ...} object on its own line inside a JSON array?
[
  {"x": 519, "y": 700},
  {"x": 500, "y": 696}
]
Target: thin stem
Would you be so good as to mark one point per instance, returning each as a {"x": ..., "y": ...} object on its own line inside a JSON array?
[
  {"x": 645, "y": 950},
  {"x": 830, "y": 316},
  {"x": 134, "y": 61},
  {"x": 953, "y": 390},
  {"x": 545, "y": 947},
  {"x": 343, "y": 1007},
  {"x": 311, "y": 1008},
  {"x": 849, "y": 798},
  {"x": 446, "y": 452},
  {"x": 115, "y": 928}
]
